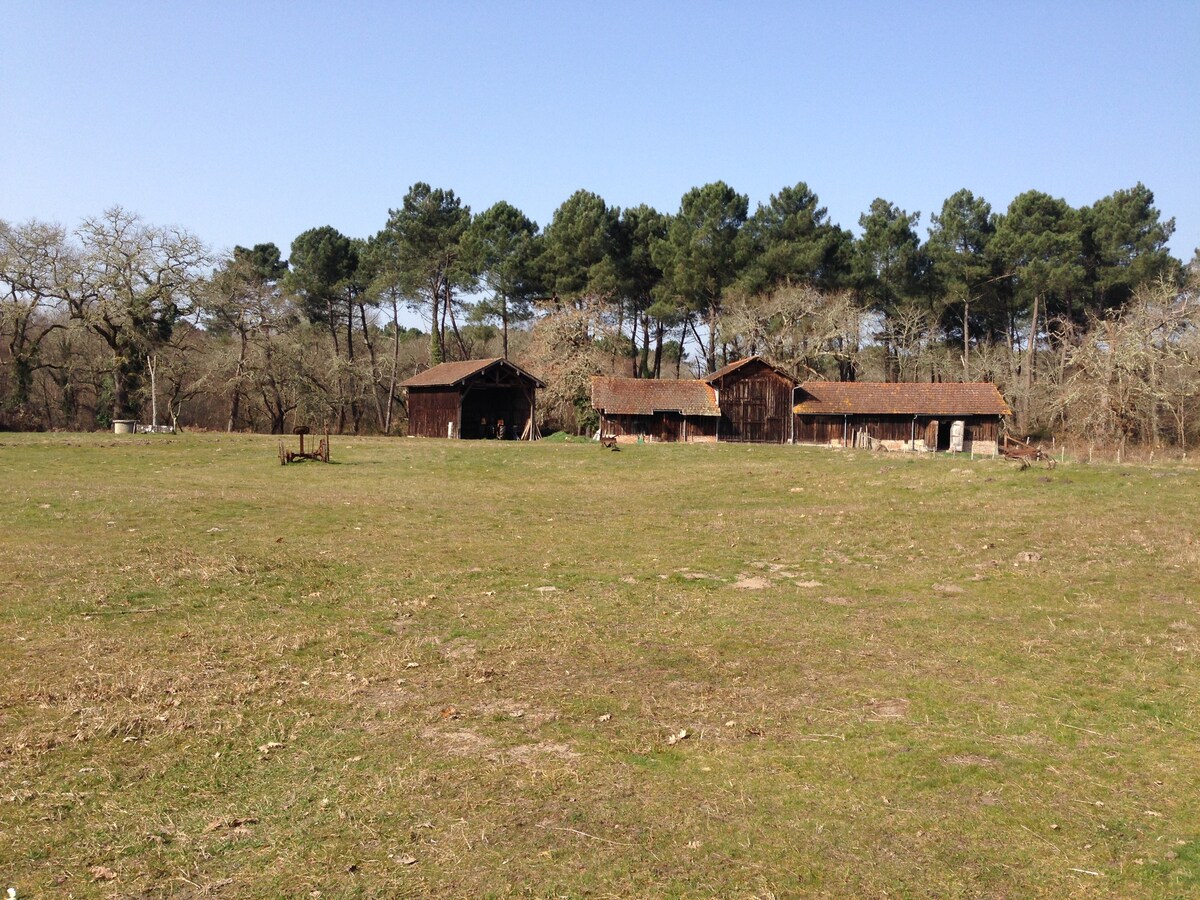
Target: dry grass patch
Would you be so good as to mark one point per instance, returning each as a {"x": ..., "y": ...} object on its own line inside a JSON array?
[{"x": 264, "y": 681}]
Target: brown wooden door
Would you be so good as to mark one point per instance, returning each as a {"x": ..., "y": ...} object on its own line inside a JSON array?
[{"x": 753, "y": 423}]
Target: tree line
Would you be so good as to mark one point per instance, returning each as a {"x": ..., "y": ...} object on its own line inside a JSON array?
[{"x": 1080, "y": 315}]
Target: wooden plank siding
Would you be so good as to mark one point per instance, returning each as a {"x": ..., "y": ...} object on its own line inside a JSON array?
[
  {"x": 819, "y": 429},
  {"x": 655, "y": 410},
  {"x": 900, "y": 415},
  {"x": 756, "y": 402},
  {"x": 933, "y": 431},
  {"x": 430, "y": 409},
  {"x": 659, "y": 426}
]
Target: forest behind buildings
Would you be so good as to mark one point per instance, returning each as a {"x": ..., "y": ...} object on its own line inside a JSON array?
[{"x": 1081, "y": 316}]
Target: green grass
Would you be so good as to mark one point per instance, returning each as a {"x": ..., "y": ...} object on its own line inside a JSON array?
[{"x": 898, "y": 676}]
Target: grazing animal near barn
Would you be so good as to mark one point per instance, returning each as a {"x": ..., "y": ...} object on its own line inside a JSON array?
[{"x": 1026, "y": 454}]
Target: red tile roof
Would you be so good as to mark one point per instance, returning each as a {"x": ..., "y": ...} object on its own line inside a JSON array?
[
  {"x": 837, "y": 398},
  {"x": 452, "y": 373},
  {"x": 738, "y": 363},
  {"x": 646, "y": 396}
]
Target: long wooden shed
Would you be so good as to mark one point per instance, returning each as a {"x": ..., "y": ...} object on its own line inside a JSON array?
[
  {"x": 654, "y": 409},
  {"x": 900, "y": 416},
  {"x": 748, "y": 400},
  {"x": 476, "y": 398}
]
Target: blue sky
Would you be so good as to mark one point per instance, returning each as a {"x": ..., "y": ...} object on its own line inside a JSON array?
[{"x": 250, "y": 122}]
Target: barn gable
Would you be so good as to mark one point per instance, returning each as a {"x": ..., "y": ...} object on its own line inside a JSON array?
[{"x": 755, "y": 399}]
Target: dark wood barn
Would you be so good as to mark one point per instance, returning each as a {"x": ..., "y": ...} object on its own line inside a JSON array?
[
  {"x": 655, "y": 410},
  {"x": 959, "y": 417},
  {"x": 477, "y": 398},
  {"x": 755, "y": 400}
]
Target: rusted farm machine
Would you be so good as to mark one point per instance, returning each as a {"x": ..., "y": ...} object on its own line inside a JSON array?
[
  {"x": 1026, "y": 454},
  {"x": 321, "y": 454}
]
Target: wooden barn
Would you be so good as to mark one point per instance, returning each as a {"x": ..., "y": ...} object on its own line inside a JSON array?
[
  {"x": 477, "y": 398},
  {"x": 963, "y": 418},
  {"x": 756, "y": 401},
  {"x": 655, "y": 410}
]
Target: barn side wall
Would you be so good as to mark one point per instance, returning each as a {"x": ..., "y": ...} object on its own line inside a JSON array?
[
  {"x": 430, "y": 409},
  {"x": 980, "y": 436},
  {"x": 659, "y": 427}
]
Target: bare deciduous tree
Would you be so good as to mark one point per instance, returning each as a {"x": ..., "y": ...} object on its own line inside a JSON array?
[{"x": 1135, "y": 366}]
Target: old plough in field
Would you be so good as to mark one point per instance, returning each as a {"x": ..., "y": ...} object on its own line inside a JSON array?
[
  {"x": 321, "y": 454},
  {"x": 1026, "y": 454}
]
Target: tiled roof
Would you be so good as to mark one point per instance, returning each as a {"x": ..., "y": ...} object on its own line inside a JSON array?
[
  {"x": 837, "y": 398},
  {"x": 738, "y": 363},
  {"x": 645, "y": 396},
  {"x": 452, "y": 373}
]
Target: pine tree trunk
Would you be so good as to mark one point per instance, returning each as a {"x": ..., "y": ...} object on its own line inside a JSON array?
[
  {"x": 966, "y": 339},
  {"x": 391, "y": 397},
  {"x": 435, "y": 344},
  {"x": 504, "y": 324}
]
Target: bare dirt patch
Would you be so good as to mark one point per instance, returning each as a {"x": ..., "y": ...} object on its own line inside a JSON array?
[
  {"x": 689, "y": 575},
  {"x": 891, "y": 709},
  {"x": 460, "y": 648},
  {"x": 947, "y": 589},
  {"x": 459, "y": 742},
  {"x": 526, "y": 754},
  {"x": 386, "y": 694},
  {"x": 751, "y": 583},
  {"x": 514, "y": 709},
  {"x": 968, "y": 759}
]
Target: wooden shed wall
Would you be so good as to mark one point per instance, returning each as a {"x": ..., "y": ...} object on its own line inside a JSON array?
[
  {"x": 661, "y": 426},
  {"x": 756, "y": 404},
  {"x": 819, "y": 429},
  {"x": 429, "y": 409},
  {"x": 980, "y": 430}
]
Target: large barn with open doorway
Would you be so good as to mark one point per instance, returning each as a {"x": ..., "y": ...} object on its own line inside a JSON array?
[
  {"x": 476, "y": 398},
  {"x": 900, "y": 416}
]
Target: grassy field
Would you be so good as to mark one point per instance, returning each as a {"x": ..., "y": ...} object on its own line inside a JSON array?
[{"x": 474, "y": 669}]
